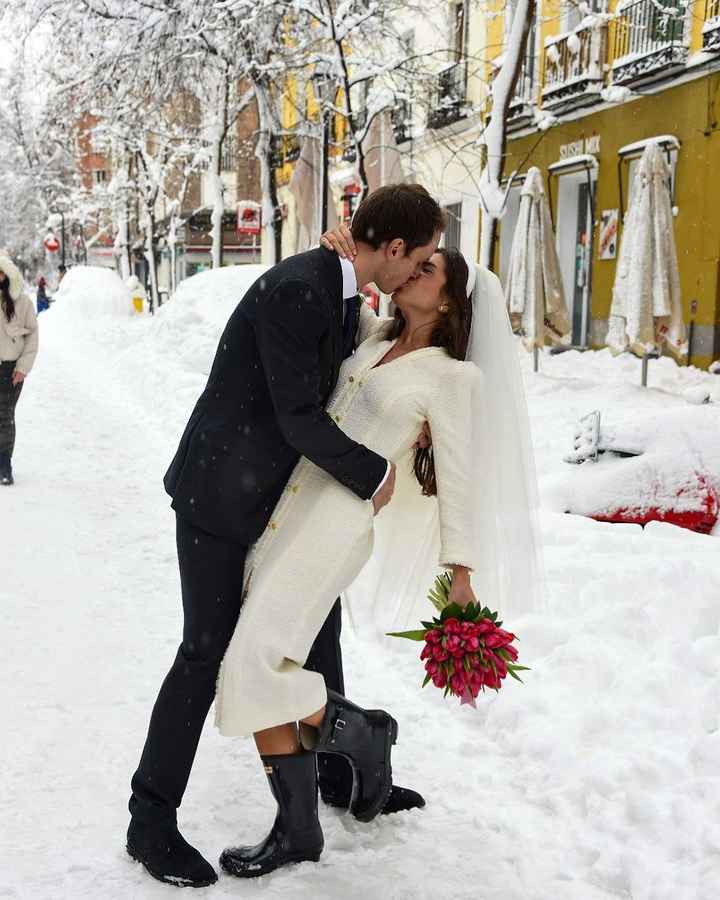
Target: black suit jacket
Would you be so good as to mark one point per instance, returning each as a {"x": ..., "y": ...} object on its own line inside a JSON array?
[{"x": 264, "y": 404}]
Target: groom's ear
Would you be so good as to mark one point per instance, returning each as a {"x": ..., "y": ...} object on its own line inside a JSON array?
[{"x": 396, "y": 248}]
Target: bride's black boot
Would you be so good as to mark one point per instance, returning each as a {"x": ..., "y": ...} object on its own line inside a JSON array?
[
  {"x": 365, "y": 738},
  {"x": 296, "y": 835}
]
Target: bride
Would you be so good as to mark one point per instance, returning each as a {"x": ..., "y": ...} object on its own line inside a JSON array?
[{"x": 447, "y": 358}]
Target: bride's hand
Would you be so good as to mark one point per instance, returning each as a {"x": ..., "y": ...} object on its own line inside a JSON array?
[
  {"x": 340, "y": 240},
  {"x": 461, "y": 591}
]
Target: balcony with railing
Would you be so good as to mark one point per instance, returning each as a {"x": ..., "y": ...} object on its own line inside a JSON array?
[
  {"x": 711, "y": 28},
  {"x": 573, "y": 69},
  {"x": 401, "y": 118},
  {"x": 649, "y": 41},
  {"x": 450, "y": 100},
  {"x": 521, "y": 111}
]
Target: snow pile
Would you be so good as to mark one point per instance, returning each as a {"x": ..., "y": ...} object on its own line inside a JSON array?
[
  {"x": 93, "y": 292},
  {"x": 187, "y": 328},
  {"x": 165, "y": 359},
  {"x": 678, "y": 443},
  {"x": 210, "y": 297},
  {"x": 678, "y": 459}
]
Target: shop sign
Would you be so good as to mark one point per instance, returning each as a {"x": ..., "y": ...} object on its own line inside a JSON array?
[
  {"x": 578, "y": 148},
  {"x": 248, "y": 218},
  {"x": 608, "y": 234}
]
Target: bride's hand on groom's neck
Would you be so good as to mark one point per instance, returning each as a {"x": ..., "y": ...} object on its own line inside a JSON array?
[{"x": 340, "y": 240}]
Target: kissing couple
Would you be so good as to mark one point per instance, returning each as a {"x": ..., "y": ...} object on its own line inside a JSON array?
[{"x": 313, "y": 407}]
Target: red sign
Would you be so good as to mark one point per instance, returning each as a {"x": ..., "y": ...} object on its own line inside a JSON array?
[
  {"x": 52, "y": 244},
  {"x": 248, "y": 218}
]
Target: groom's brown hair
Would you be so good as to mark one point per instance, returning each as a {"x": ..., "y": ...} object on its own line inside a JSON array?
[{"x": 403, "y": 211}]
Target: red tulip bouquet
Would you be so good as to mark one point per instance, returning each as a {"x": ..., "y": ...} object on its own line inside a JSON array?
[{"x": 465, "y": 650}]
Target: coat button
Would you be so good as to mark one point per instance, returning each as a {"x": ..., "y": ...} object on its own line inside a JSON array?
[
  {"x": 295, "y": 489},
  {"x": 273, "y": 525},
  {"x": 351, "y": 378},
  {"x": 337, "y": 418}
]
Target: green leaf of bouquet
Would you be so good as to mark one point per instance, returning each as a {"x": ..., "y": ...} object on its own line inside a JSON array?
[
  {"x": 418, "y": 635},
  {"x": 428, "y": 625},
  {"x": 425, "y": 680},
  {"x": 516, "y": 677},
  {"x": 451, "y": 611}
]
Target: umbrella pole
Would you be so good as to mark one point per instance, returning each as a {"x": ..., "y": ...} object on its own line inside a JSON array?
[
  {"x": 536, "y": 359},
  {"x": 643, "y": 380}
]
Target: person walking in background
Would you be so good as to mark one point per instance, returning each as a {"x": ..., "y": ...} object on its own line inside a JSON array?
[
  {"x": 18, "y": 349},
  {"x": 42, "y": 299}
]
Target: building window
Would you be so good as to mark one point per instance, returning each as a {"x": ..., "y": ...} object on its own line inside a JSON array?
[
  {"x": 100, "y": 176},
  {"x": 228, "y": 159},
  {"x": 452, "y": 232},
  {"x": 458, "y": 25}
]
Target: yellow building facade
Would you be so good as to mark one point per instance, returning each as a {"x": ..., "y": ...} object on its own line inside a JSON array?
[{"x": 612, "y": 82}]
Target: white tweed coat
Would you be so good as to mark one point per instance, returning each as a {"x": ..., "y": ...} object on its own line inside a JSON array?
[{"x": 320, "y": 535}]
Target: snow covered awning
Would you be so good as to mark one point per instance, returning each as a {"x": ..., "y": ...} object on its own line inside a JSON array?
[
  {"x": 580, "y": 163},
  {"x": 668, "y": 142}
]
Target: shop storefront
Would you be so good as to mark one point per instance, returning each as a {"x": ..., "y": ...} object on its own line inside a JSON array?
[{"x": 588, "y": 163}]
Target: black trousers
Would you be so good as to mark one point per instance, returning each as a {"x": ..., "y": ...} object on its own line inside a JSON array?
[
  {"x": 9, "y": 396},
  {"x": 211, "y": 578}
]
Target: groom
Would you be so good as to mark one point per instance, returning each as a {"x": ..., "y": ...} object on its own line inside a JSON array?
[{"x": 276, "y": 366}]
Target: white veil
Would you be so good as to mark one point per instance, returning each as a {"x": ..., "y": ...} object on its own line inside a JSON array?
[{"x": 391, "y": 591}]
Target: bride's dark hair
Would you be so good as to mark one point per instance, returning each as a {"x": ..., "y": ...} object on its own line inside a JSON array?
[{"x": 451, "y": 331}]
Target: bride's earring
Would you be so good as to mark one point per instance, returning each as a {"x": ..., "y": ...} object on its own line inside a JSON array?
[{"x": 443, "y": 308}]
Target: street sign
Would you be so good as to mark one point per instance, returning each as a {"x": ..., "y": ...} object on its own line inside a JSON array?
[
  {"x": 52, "y": 244},
  {"x": 248, "y": 217}
]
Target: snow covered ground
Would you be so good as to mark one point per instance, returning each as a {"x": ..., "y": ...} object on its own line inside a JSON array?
[{"x": 596, "y": 779}]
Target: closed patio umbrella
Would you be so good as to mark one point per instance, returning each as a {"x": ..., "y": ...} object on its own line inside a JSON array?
[
  {"x": 382, "y": 158},
  {"x": 646, "y": 311},
  {"x": 534, "y": 290},
  {"x": 306, "y": 188}
]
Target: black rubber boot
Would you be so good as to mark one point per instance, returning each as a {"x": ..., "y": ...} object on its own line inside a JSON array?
[
  {"x": 6, "y": 474},
  {"x": 365, "y": 738},
  {"x": 167, "y": 856},
  {"x": 296, "y": 835},
  {"x": 335, "y": 780}
]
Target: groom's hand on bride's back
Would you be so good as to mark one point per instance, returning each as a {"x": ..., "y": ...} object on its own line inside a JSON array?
[{"x": 384, "y": 495}]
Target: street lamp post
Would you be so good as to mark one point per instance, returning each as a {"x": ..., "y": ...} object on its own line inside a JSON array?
[
  {"x": 62, "y": 232},
  {"x": 321, "y": 85}
]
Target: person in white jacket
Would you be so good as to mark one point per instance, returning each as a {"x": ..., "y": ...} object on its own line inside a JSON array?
[{"x": 18, "y": 349}]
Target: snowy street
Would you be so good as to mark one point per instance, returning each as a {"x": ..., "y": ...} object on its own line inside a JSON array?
[{"x": 596, "y": 779}]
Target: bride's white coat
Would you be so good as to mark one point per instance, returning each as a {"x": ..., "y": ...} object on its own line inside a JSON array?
[{"x": 321, "y": 535}]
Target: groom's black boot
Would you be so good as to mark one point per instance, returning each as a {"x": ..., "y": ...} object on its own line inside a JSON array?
[
  {"x": 296, "y": 835},
  {"x": 167, "y": 856},
  {"x": 365, "y": 737}
]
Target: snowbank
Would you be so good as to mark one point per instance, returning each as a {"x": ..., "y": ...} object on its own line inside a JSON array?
[
  {"x": 678, "y": 458},
  {"x": 596, "y": 779},
  {"x": 92, "y": 292},
  {"x": 194, "y": 318}
]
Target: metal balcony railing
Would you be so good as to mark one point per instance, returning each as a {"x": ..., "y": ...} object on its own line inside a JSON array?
[
  {"x": 450, "y": 99},
  {"x": 402, "y": 121},
  {"x": 711, "y": 28},
  {"x": 649, "y": 40},
  {"x": 573, "y": 68},
  {"x": 521, "y": 110}
]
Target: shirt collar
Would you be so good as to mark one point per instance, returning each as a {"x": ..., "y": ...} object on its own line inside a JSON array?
[{"x": 349, "y": 279}]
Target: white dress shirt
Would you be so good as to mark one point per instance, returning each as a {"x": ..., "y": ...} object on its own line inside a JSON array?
[{"x": 349, "y": 290}]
